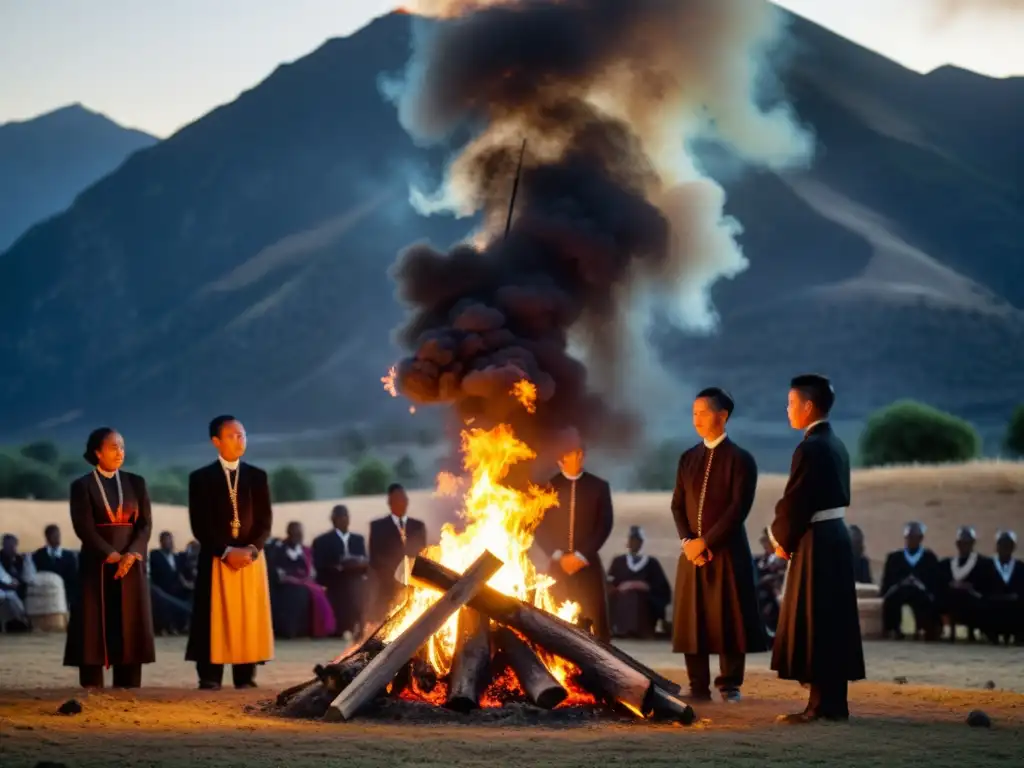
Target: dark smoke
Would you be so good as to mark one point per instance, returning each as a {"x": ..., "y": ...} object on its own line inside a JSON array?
[{"x": 609, "y": 204}]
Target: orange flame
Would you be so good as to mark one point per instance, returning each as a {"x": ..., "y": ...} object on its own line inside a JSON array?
[
  {"x": 526, "y": 393},
  {"x": 389, "y": 382}
]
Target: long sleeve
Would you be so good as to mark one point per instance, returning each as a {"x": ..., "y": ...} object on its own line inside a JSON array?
[
  {"x": 5, "y": 578},
  {"x": 594, "y": 539},
  {"x": 376, "y": 548},
  {"x": 263, "y": 515},
  {"x": 321, "y": 554},
  {"x": 82, "y": 520},
  {"x": 28, "y": 571},
  {"x": 679, "y": 503},
  {"x": 209, "y": 540},
  {"x": 144, "y": 522},
  {"x": 890, "y": 577},
  {"x": 744, "y": 486},
  {"x": 794, "y": 510}
]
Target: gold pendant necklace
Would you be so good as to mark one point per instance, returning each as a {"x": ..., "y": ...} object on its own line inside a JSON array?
[
  {"x": 106, "y": 502},
  {"x": 236, "y": 524},
  {"x": 703, "y": 493}
]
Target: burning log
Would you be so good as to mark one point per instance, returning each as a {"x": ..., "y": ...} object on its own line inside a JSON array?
[
  {"x": 374, "y": 679},
  {"x": 471, "y": 663},
  {"x": 540, "y": 686},
  {"x": 603, "y": 672},
  {"x": 311, "y": 698}
]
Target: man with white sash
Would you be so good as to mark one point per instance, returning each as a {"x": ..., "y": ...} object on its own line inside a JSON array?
[
  {"x": 229, "y": 509},
  {"x": 818, "y": 640},
  {"x": 1006, "y": 601}
]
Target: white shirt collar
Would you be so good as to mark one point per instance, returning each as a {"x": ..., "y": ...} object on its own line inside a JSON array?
[
  {"x": 170, "y": 559},
  {"x": 572, "y": 477},
  {"x": 294, "y": 553},
  {"x": 108, "y": 475},
  {"x": 717, "y": 441},
  {"x": 813, "y": 424},
  {"x": 344, "y": 536},
  {"x": 398, "y": 520},
  {"x": 229, "y": 465},
  {"x": 55, "y": 552}
]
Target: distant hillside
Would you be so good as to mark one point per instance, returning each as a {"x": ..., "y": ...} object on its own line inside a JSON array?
[
  {"x": 46, "y": 161},
  {"x": 241, "y": 264}
]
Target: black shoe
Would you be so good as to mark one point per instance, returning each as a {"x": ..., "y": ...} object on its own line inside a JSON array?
[
  {"x": 802, "y": 718},
  {"x": 206, "y": 685},
  {"x": 731, "y": 697},
  {"x": 698, "y": 695},
  {"x": 250, "y": 684}
]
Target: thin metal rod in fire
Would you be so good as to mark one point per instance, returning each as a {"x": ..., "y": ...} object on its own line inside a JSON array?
[{"x": 515, "y": 188}]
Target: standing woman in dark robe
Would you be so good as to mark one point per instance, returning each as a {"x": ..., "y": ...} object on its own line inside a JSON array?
[
  {"x": 570, "y": 536},
  {"x": 716, "y": 607},
  {"x": 638, "y": 590},
  {"x": 818, "y": 640},
  {"x": 111, "y": 625}
]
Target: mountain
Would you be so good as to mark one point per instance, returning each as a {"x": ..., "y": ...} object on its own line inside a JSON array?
[
  {"x": 241, "y": 264},
  {"x": 46, "y": 161}
]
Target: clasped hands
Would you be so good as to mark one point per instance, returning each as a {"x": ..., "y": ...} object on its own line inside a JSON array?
[
  {"x": 240, "y": 557},
  {"x": 697, "y": 552},
  {"x": 124, "y": 562},
  {"x": 571, "y": 563}
]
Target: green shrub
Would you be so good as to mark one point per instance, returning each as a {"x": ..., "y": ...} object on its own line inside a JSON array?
[
  {"x": 909, "y": 432},
  {"x": 44, "y": 451},
  {"x": 656, "y": 471},
  {"x": 1014, "y": 441},
  {"x": 370, "y": 477},
  {"x": 290, "y": 483},
  {"x": 27, "y": 478},
  {"x": 72, "y": 468}
]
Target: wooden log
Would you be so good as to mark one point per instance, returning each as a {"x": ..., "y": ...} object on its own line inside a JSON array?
[
  {"x": 603, "y": 672},
  {"x": 369, "y": 683},
  {"x": 539, "y": 685},
  {"x": 436, "y": 576},
  {"x": 471, "y": 663}
]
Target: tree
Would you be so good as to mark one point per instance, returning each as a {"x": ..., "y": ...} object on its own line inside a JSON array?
[
  {"x": 909, "y": 432},
  {"x": 44, "y": 451},
  {"x": 70, "y": 468},
  {"x": 288, "y": 483},
  {"x": 369, "y": 478},
  {"x": 31, "y": 479},
  {"x": 656, "y": 471},
  {"x": 1014, "y": 441},
  {"x": 405, "y": 471}
]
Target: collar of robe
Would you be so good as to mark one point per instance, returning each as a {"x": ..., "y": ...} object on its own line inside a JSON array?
[
  {"x": 108, "y": 475},
  {"x": 231, "y": 466},
  {"x": 294, "y": 553},
  {"x": 636, "y": 563},
  {"x": 712, "y": 444},
  {"x": 55, "y": 552},
  {"x": 1006, "y": 569},
  {"x": 344, "y": 536},
  {"x": 913, "y": 558},
  {"x": 961, "y": 572},
  {"x": 573, "y": 478}
]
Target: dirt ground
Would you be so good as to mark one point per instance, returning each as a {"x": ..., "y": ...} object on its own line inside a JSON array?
[
  {"x": 921, "y": 722},
  {"x": 988, "y": 495}
]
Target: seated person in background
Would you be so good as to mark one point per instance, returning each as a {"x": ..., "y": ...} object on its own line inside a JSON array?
[
  {"x": 13, "y": 617},
  {"x": 861, "y": 565},
  {"x": 339, "y": 557},
  {"x": 171, "y": 607},
  {"x": 299, "y": 605},
  {"x": 1004, "y": 606},
  {"x": 911, "y": 577},
  {"x": 771, "y": 572},
  {"x": 53, "y": 558},
  {"x": 966, "y": 578},
  {"x": 188, "y": 565},
  {"x": 638, "y": 591},
  {"x": 19, "y": 567}
]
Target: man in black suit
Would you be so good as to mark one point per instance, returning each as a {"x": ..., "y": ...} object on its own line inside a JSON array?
[
  {"x": 168, "y": 596},
  {"x": 339, "y": 557},
  {"x": 392, "y": 539},
  {"x": 53, "y": 558}
]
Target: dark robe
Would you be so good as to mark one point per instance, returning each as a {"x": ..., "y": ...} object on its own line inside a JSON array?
[
  {"x": 172, "y": 608},
  {"x": 862, "y": 570},
  {"x": 635, "y": 613},
  {"x": 299, "y": 604},
  {"x": 14, "y": 564},
  {"x": 112, "y": 624},
  {"x": 386, "y": 552},
  {"x": 918, "y": 585},
  {"x": 818, "y": 637},
  {"x": 964, "y": 604},
  {"x": 1004, "y": 605},
  {"x": 583, "y": 529},
  {"x": 770, "y": 571},
  {"x": 716, "y": 608},
  {"x": 65, "y": 566},
  {"x": 210, "y": 513},
  {"x": 343, "y": 571}
]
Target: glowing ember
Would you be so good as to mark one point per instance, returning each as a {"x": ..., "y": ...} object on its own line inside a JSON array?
[{"x": 389, "y": 382}]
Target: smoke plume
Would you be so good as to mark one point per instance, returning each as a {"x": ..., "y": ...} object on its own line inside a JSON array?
[{"x": 612, "y": 213}]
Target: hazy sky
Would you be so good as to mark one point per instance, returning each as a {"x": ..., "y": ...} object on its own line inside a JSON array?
[{"x": 159, "y": 64}]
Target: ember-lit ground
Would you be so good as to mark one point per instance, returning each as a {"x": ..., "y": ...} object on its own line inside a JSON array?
[{"x": 169, "y": 724}]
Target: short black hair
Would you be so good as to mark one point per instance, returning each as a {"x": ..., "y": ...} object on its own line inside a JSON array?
[
  {"x": 817, "y": 389},
  {"x": 51, "y": 528},
  {"x": 720, "y": 399},
  {"x": 94, "y": 442},
  {"x": 395, "y": 487},
  {"x": 339, "y": 509},
  {"x": 217, "y": 424},
  {"x": 10, "y": 537},
  {"x": 164, "y": 533}
]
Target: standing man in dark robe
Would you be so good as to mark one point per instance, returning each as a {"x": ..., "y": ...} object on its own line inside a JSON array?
[
  {"x": 716, "y": 607},
  {"x": 339, "y": 557},
  {"x": 818, "y": 641},
  {"x": 53, "y": 558},
  {"x": 229, "y": 509},
  {"x": 570, "y": 536},
  {"x": 965, "y": 579},
  {"x": 911, "y": 577},
  {"x": 638, "y": 590},
  {"x": 395, "y": 541}
]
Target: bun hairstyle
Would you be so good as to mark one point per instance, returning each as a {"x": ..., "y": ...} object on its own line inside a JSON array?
[{"x": 94, "y": 443}]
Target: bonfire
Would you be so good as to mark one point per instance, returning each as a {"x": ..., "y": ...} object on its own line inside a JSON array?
[{"x": 478, "y": 628}]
